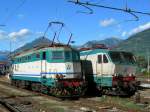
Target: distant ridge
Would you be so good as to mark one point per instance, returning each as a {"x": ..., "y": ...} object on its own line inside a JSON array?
[
  {"x": 138, "y": 43},
  {"x": 4, "y": 56},
  {"x": 109, "y": 42},
  {"x": 39, "y": 42}
]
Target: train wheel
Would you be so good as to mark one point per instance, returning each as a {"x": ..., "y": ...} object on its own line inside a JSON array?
[
  {"x": 64, "y": 92},
  {"x": 22, "y": 84},
  {"x": 50, "y": 90},
  {"x": 57, "y": 92},
  {"x": 33, "y": 87},
  {"x": 13, "y": 82},
  {"x": 44, "y": 89},
  {"x": 17, "y": 83}
]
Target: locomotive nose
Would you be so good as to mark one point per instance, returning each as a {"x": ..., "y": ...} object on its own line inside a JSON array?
[
  {"x": 125, "y": 70},
  {"x": 73, "y": 70}
]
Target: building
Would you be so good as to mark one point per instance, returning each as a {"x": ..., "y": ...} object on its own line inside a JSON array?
[{"x": 4, "y": 63}]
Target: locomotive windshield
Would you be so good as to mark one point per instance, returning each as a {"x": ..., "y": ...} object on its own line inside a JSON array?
[
  {"x": 116, "y": 57},
  {"x": 122, "y": 57},
  {"x": 129, "y": 58},
  {"x": 75, "y": 56}
]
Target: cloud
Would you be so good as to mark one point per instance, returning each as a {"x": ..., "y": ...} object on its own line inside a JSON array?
[
  {"x": 107, "y": 22},
  {"x": 3, "y": 34},
  {"x": 20, "y": 16},
  {"x": 139, "y": 28},
  {"x": 39, "y": 33},
  {"x": 124, "y": 34},
  {"x": 20, "y": 34}
]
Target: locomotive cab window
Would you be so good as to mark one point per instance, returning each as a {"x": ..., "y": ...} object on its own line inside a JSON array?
[
  {"x": 75, "y": 56},
  {"x": 67, "y": 55},
  {"x": 99, "y": 58},
  {"x": 57, "y": 55},
  {"x": 105, "y": 59},
  {"x": 37, "y": 56}
]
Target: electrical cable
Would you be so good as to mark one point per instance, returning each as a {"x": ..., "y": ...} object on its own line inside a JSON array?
[
  {"x": 13, "y": 12},
  {"x": 126, "y": 10},
  {"x": 90, "y": 11}
]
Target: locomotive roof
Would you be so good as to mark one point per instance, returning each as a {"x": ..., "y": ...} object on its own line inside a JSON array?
[
  {"x": 95, "y": 51},
  {"x": 40, "y": 43},
  {"x": 37, "y": 49}
]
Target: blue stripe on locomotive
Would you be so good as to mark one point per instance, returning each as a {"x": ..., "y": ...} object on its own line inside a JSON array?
[
  {"x": 32, "y": 78},
  {"x": 38, "y": 77}
]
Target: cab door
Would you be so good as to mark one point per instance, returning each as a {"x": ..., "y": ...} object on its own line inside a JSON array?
[
  {"x": 104, "y": 69},
  {"x": 99, "y": 64},
  {"x": 107, "y": 65},
  {"x": 104, "y": 66},
  {"x": 43, "y": 67}
]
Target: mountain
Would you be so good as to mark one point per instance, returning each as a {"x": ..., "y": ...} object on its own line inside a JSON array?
[
  {"x": 39, "y": 42},
  {"x": 4, "y": 55},
  {"x": 109, "y": 42},
  {"x": 138, "y": 43}
]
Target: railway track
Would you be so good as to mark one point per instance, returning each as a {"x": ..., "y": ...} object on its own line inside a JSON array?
[
  {"x": 12, "y": 102},
  {"x": 69, "y": 102},
  {"x": 3, "y": 108},
  {"x": 39, "y": 93},
  {"x": 8, "y": 107},
  {"x": 27, "y": 101}
]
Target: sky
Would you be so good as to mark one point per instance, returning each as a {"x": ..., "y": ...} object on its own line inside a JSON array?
[{"x": 22, "y": 21}]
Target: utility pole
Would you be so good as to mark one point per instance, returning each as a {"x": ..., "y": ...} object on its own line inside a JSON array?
[
  {"x": 10, "y": 59},
  {"x": 148, "y": 66}
]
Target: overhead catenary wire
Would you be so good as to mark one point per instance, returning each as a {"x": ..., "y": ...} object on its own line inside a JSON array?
[
  {"x": 88, "y": 6},
  {"x": 89, "y": 10},
  {"x": 11, "y": 14}
]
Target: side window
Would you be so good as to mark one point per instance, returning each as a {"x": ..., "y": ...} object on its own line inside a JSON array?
[
  {"x": 37, "y": 56},
  {"x": 99, "y": 58},
  {"x": 15, "y": 67},
  {"x": 105, "y": 60},
  {"x": 19, "y": 59},
  {"x": 75, "y": 55},
  {"x": 67, "y": 55},
  {"x": 57, "y": 55},
  {"x": 29, "y": 58},
  {"x": 44, "y": 55}
]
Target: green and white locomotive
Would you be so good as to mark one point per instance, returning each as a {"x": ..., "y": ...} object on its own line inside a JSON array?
[
  {"x": 55, "y": 70},
  {"x": 109, "y": 72}
]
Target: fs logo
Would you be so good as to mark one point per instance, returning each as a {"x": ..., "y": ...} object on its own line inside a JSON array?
[{"x": 68, "y": 67}]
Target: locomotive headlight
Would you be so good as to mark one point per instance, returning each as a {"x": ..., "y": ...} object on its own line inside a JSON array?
[
  {"x": 133, "y": 74},
  {"x": 130, "y": 74},
  {"x": 59, "y": 76},
  {"x": 114, "y": 74},
  {"x": 53, "y": 76}
]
